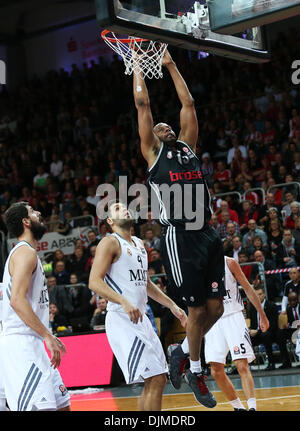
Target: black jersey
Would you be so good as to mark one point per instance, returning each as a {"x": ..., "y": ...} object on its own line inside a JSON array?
[{"x": 178, "y": 188}]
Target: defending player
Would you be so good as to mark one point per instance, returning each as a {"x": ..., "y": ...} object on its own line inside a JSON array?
[
  {"x": 31, "y": 379},
  {"x": 230, "y": 333},
  {"x": 119, "y": 274},
  {"x": 193, "y": 258}
]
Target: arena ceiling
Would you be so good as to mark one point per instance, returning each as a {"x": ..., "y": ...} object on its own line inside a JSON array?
[{"x": 20, "y": 19}]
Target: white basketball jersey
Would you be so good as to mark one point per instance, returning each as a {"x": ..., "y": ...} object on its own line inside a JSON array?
[
  {"x": 232, "y": 301},
  {"x": 128, "y": 275},
  {"x": 37, "y": 297}
]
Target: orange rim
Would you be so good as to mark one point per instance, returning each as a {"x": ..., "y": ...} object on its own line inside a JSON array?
[{"x": 114, "y": 40}]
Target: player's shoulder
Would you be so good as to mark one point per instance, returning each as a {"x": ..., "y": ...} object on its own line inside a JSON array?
[
  {"x": 139, "y": 241},
  {"x": 109, "y": 241}
]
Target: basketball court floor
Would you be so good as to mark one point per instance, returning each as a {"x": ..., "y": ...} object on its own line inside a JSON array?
[{"x": 276, "y": 391}]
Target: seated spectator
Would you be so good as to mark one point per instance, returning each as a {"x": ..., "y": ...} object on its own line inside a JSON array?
[
  {"x": 60, "y": 296},
  {"x": 56, "y": 166},
  {"x": 214, "y": 221},
  {"x": 60, "y": 273},
  {"x": 296, "y": 231},
  {"x": 263, "y": 210},
  {"x": 246, "y": 213},
  {"x": 274, "y": 236},
  {"x": 150, "y": 224},
  {"x": 286, "y": 208},
  {"x": 273, "y": 214},
  {"x": 222, "y": 175},
  {"x": 78, "y": 261},
  {"x": 90, "y": 260},
  {"x": 207, "y": 168},
  {"x": 270, "y": 336},
  {"x": 250, "y": 195},
  {"x": 232, "y": 153},
  {"x": 93, "y": 240},
  {"x": 257, "y": 244},
  {"x": 272, "y": 280},
  {"x": 103, "y": 231},
  {"x": 293, "y": 285},
  {"x": 92, "y": 198},
  {"x": 99, "y": 314},
  {"x": 284, "y": 334},
  {"x": 82, "y": 309},
  {"x": 56, "y": 318},
  {"x": 244, "y": 258},
  {"x": 39, "y": 180},
  {"x": 288, "y": 252},
  {"x": 59, "y": 255},
  {"x": 225, "y": 206},
  {"x": 155, "y": 261},
  {"x": 253, "y": 232},
  {"x": 233, "y": 248},
  {"x": 151, "y": 240},
  {"x": 222, "y": 227},
  {"x": 295, "y": 213}
]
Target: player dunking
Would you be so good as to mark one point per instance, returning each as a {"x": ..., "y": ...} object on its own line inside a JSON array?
[
  {"x": 193, "y": 259},
  {"x": 119, "y": 274},
  {"x": 230, "y": 333},
  {"x": 31, "y": 379}
]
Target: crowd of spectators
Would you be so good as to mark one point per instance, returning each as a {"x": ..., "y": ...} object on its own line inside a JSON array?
[{"x": 63, "y": 134}]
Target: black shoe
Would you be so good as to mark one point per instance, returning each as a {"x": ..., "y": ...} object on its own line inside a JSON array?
[
  {"x": 252, "y": 410},
  {"x": 206, "y": 371},
  {"x": 201, "y": 392},
  {"x": 270, "y": 367},
  {"x": 285, "y": 365},
  {"x": 240, "y": 410},
  {"x": 177, "y": 363}
]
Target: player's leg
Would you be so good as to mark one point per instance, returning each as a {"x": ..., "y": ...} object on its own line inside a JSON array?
[
  {"x": 151, "y": 397},
  {"x": 247, "y": 382},
  {"x": 226, "y": 385}
]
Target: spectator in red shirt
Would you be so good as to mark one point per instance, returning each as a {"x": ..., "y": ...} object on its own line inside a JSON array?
[
  {"x": 222, "y": 174},
  {"x": 295, "y": 213},
  {"x": 243, "y": 258},
  {"x": 224, "y": 206},
  {"x": 249, "y": 195},
  {"x": 247, "y": 213}
]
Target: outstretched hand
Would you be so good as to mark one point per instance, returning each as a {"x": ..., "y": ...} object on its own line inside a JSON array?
[{"x": 167, "y": 59}]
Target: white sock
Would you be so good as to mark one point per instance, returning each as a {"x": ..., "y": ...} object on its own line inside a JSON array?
[
  {"x": 251, "y": 403},
  {"x": 195, "y": 366},
  {"x": 185, "y": 346},
  {"x": 237, "y": 404}
]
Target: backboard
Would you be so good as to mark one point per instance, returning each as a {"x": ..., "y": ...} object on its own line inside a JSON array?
[
  {"x": 232, "y": 16},
  {"x": 181, "y": 23}
]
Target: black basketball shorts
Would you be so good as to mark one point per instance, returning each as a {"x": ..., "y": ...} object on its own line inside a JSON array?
[{"x": 194, "y": 263}]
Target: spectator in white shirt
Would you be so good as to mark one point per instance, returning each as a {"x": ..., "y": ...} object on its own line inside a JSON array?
[
  {"x": 56, "y": 167},
  {"x": 235, "y": 146}
]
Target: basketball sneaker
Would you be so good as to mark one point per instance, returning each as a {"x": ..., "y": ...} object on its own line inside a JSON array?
[
  {"x": 201, "y": 392},
  {"x": 178, "y": 361}
]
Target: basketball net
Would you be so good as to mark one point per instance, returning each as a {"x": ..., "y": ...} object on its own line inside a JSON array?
[{"x": 141, "y": 56}]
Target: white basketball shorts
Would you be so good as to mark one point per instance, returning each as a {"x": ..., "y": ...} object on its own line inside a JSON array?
[
  {"x": 229, "y": 333},
  {"x": 136, "y": 347},
  {"x": 30, "y": 382},
  {"x": 2, "y": 392}
]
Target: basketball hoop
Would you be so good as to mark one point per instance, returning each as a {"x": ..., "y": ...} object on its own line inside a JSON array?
[{"x": 141, "y": 56}]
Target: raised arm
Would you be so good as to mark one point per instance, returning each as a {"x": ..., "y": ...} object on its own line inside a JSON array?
[
  {"x": 236, "y": 270},
  {"x": 150, "y": 144},
  {"x": 188, "y": 117},
  {"x": 107, "y": 251}
]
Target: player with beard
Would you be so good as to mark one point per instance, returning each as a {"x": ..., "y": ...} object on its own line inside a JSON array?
[
  {"x": 31, "y": 379},
  {"x": 120, "y": 274},
  {"x": 192, "y": 252}
]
